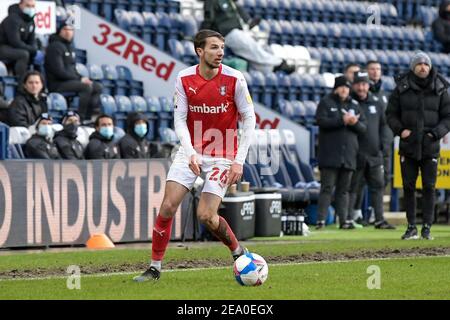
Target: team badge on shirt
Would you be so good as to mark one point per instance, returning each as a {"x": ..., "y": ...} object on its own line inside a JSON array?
[{"x": 223, "y": 90}]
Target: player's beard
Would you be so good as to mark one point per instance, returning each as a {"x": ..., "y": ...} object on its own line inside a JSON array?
[{"x": 210, "y": 65}]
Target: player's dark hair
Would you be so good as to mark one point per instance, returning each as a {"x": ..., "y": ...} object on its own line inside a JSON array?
[
  {"x": 202, "y": 35},
  {"x": 372, "y": 62},
  {"x": 31, "y": 74},
  {"x": 351, "y": 65},
  {"x": 97, "y": 121}
]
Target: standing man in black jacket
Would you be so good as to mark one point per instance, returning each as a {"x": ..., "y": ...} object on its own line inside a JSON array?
[
  {"x": 66, "y": 140},
  {"x": 372, "y": 147},
  {"x": 40, "y": 145},
  {"x": 62, "y": 75},
  {"x": 101, "y": 142},
  {"x": 419, "y": 112},
  {"x": 134, "y": 145},
  {"x": 17, "y": 37},
  {"x": 441, "y": 26},
  {"x": 30, "y": 101},
  {"x": 340, "y": 122}
]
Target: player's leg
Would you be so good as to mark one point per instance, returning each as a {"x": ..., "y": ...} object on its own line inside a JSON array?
[
  {"x": 173, "y": 195},
  {"x": 207, "y": 214}
]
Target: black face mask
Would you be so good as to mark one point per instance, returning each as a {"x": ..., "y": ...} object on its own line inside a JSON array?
[{"x": 71, "y": 129}]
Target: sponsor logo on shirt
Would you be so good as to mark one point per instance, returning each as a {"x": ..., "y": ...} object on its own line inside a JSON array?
[{"x": 209, "y": 109}]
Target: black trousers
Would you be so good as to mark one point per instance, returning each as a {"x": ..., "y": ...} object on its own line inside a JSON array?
[
  {"x": 20, "y": 57},
  {"x": 375, "y": 181},
  {"x": 339, "y": 179},
  {"x": 89, "y": 95},
  {"x": 410, "y": 171}
]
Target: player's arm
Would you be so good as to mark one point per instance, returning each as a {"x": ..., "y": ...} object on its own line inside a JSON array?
[
  {"x": 246, "y": 110},
  {"x": 181, "y": 128}
]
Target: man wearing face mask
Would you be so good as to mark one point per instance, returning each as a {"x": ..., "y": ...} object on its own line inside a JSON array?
[
  {"x": 101, "y": 142},
  {"x": 66, "y": 140},
  {"x": 419, "y": 113},
  {"x": 441, "y": 26},
  {"x": 40, "y": 145},
  {"x": 17, "y": 36},
  {"x": 135, "y": 145}
]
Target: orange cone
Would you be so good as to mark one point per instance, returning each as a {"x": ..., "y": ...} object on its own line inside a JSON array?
[{"x": 99, "y": 241}]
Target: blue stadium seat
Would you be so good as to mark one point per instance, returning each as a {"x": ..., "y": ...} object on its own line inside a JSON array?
[
  {"x": 107, "y": 104},
  {"x": 124, "y": 106},
  {"x": 294, "y": 90},
  {"x": 9, "y": 82},
  {"x": 299, "y": 111},
  {"x": 285, "y": 108},
  {"x": 258, "y": 85},
  {"x": 110, "y": 78},
  {"x": 122, "y": 18},
  {"x": 162, "y": 30},
  {"x": 151, "y": 22},
  {"x": 176, "y": 49},
  {"x": 270, "y": 89},
  {"x": 138, "y": 104},
  {"x": 190, "y": 57},
  {"x": 166, "y": 114},
  {"x": 57, "y": 106}
]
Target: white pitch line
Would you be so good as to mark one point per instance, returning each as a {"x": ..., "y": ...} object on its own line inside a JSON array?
[{"x": 101, "y": 275}]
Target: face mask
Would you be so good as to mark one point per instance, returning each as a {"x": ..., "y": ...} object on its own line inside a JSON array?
[
  {"x": 140, "y": 129},
  {"x": 71, "y": 128},
  {"x": 29, "y": 12},
  {"x": 45, "y": 130},
  {"x": 107, "y": 132}
]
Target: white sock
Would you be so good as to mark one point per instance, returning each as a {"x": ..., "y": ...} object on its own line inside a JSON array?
[{"x": 156, "y": 265}]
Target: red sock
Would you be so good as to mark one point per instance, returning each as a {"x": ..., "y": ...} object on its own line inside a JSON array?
[
  {"x": 226, "y": 235},
  {"x": 161, "y": 237}
]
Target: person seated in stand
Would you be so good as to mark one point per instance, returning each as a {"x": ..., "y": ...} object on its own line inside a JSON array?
[{"x": 40, "y": 145}]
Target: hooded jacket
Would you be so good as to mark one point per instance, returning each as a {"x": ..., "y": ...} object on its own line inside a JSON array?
[
  {"x": 60, "y": 62},
  {"x": 421, "y": 110},
  {"x": 38, "y": 147},
  {"x": 131, "y": 145},
  {"x": 68, "y": 145},
  {"x": 441, "y": 27},
  {"x": 18, "y": 30},
  {"x": 101, "y": 148},
  {"x": 26, "y": 109},
  {"x": 338, "y": 143}
]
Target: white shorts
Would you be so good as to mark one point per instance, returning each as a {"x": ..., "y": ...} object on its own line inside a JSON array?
[{"x": 213, "y": 172}]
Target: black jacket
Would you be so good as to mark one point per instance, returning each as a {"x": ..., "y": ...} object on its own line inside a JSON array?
[
  {"x": 223, "y": 16},
  {"x": 101, "y": 148},
  {"x": 60, "y": 62},
  {"x": 441, "y": 27},
  {"x": 38, "y": 147},
  {"x": 68, "y": 145},
  {"x": 131, "y": 145},
  {"x": 374, "y": 143},
  {"x": 25, "y": 109},
  {"x": 17, "y": 30},
  {"x": 422, "y": 111},
  {"x": 338, "y": 143}
]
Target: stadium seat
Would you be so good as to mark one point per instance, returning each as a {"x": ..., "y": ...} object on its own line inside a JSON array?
[
  {"x": 124, "y": 106},
  {"x": 57, "y": 106},
  {"x": 107, "y": 104},
  {"x": 9, "y": 82}
]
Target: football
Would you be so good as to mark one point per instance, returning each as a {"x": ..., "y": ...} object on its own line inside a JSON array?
[{"x": 251, "y": 270}]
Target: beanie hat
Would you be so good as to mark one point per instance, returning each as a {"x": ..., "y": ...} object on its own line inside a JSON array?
[
  {"x": 62, "y": 25},
  {"x": 43, "y": 116},
  {"x": 341, "y": 81},
  {"x": 361, "y": 76},
  {"x": 419, "y": 57},
  {"x": 69, "y": 114}
]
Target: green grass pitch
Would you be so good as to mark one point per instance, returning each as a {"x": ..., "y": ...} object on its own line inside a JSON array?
[{"x": 330, "y": 264}]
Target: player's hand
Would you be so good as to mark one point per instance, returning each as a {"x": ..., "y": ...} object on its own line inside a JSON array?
[
  {"x": 405, "y": 133},
  {"x": 194, "y": 164},
  {"x": 235, "y": 173}
]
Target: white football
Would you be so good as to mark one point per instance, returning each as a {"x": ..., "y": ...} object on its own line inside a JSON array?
[{"x": 251, "y": 270}]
